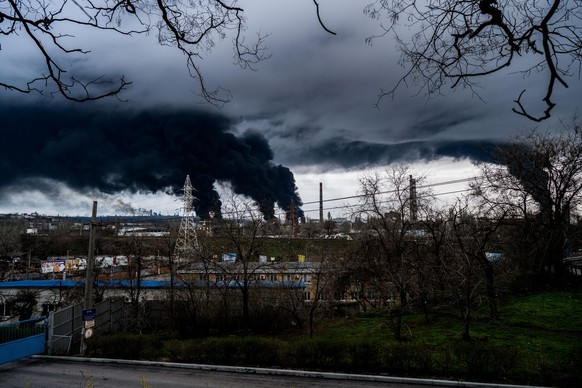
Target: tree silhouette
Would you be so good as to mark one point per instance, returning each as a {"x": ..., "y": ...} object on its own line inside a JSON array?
[
  {"x": 50, "y": 28},
  {"x": 459, "y": 42}
]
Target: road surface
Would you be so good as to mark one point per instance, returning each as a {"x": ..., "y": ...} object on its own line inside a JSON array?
[{"x": 54, "y": 373}]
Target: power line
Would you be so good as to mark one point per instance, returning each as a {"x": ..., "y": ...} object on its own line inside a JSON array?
[
  {"x": 346, "y": 206},
  {"x": 450, "y": 182},
  {"x": 429, "y": 185}
]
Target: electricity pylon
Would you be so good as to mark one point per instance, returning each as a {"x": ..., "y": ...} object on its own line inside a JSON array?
[{"x": 187, "y": 242}]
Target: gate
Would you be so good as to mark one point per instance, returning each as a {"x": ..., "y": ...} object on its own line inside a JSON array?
[
  {"x": 22, "y": 339},
  {"x": 65, "y": 326}
]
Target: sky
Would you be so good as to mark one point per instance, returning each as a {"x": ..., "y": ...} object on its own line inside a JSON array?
[{"x": 306, "y": 115}]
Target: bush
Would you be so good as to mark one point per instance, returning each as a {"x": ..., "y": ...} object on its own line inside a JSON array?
[
  {"x": 482, "y": 361},
  {"x": 365, "y": 356},
  {"x": 409, "y": 358},
  {"x": 125, "y": 346},
  {"x": 247, "y": 351},
  {"x": 320, "y": 354}
]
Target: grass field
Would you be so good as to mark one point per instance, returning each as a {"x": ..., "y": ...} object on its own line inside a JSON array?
[{"x": 537, "y": 340}]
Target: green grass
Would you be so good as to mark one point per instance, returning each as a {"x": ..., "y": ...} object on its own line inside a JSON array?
[
  {"x": 544, "y": 331},
  {"x": 356, "y": 328},
  {"x": 537, "y": 340},
  {"x": 557, "y": 311}
]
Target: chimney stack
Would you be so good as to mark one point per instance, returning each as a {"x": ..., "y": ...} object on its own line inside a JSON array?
[{"x": 321, "y": 202}]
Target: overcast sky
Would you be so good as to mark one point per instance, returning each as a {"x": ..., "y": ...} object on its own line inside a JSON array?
[{"x": 312, "y": 102}]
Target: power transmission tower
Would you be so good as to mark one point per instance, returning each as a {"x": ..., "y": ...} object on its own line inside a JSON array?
[{"x": 187, "y": 242}]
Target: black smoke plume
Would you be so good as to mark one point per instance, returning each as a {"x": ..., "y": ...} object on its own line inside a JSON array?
[
  {"x": 346, "y": 153},
  {"x": 529, "y": 167},
  {"x": 114, "y": 151}
]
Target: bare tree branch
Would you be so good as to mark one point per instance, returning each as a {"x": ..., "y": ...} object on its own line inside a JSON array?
[
  {"x": 458, "y": 42},
  {"x": 319, "y": 18},
  {"x": 191, "y": 28}
]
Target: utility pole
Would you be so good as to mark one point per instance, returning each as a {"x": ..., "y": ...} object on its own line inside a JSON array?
[
  {"x": 88, "y": 301},
  {"x": 321, "y": 203},
  {"x": 28, "y": 266}
]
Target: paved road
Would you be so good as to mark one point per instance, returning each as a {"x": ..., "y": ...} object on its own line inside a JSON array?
[{"x": 55, "y": 373}]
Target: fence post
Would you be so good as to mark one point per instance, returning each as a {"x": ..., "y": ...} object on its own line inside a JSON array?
[
  {"x": 51, "y": 330},
  {"x": 111, "y": 316}
]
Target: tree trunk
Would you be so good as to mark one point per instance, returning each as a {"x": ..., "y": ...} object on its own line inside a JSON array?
[
  {"x": 245, "y": 304},
  {"x": 424, "y": 301},
  {"x": 491, "y": 291},
  {"x": 396, "y": 316},
  {"x": 172, "y": 287},
  {"x": 396, "y": 319},
  {"x": 554, "y": 268},
  {"x": 466, "y": 307},
  {"x": 466, "y": 331},
  {"x": 311, "y": 319}
]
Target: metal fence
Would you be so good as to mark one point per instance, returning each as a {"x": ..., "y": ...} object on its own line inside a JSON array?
[
  {"x": 65, "y": 327},
  {"x": 22, "y": 339}
]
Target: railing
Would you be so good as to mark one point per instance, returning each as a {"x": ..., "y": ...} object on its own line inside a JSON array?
[{"x": 22, "y": 339}]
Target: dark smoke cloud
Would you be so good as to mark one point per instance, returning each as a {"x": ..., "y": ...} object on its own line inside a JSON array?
[
  {"x": 528, "y": 166},
  {"x": 439, "y": 121},
  {"x": 153, "y": 151},
  {"x": 346, "y": 153}
]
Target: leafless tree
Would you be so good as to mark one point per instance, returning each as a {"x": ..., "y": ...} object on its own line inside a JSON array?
[
  {"x": 474, "y": 232},
  {"x": 291, "y": 301},
  {"x": 22, "y": 304},
  {"x": 392, "y": 207},
  {"x": 10, "y": 243},
  {"x": 204, "y": 296},
  {"x": 323, "y": 281},
  {"x": 429, "y": 253},
  {"x": 329, "y": 225},
  {"x": 464, "y": 278},
  {"x": 539, "y": 180},
  {"x": 136, "y": 249},
  {"x": 168, "y": 248},
  {"x": 52, "y": 29},
  {"x": 459, "y": 42},
  {"x": 242, "y": 227}
]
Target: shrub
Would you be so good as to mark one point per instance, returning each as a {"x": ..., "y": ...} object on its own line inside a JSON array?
[
  {"x": 124, "y": 346},
  {"x": 482, "y": 361}
]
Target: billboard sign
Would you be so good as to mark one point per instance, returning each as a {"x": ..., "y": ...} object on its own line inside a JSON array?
[
  {"x": 59, "y": 265},
  {"x": 52, "y": 266},
  {"x": 229, "y": 257}
]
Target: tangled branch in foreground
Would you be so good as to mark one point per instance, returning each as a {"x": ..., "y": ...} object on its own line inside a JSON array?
[
  {"x": 193, "y": 27},
  {"x": 457, "y": 42}
]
